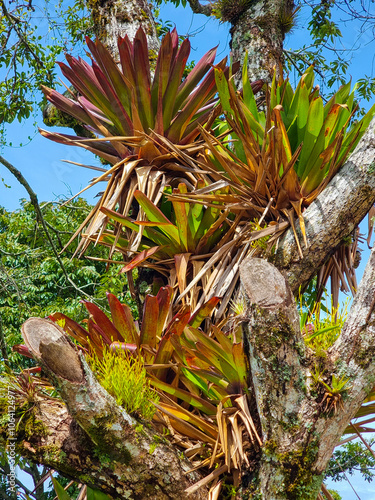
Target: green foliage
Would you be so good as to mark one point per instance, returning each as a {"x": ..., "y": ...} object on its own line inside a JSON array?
[
  {"x": 125, "y": 378},
  {"x": 350, "y": 458},
  {"x": 197, "y": 375},
  {"x": 32, "y": 281},
  {"x": 337, "y": 385},
  {"x": 286, "y": 154},
  {"x": 310, "y": 138},
  {"x": 331, "y": 65},
  {"x": 28, "y": 53},
  {"x": 61, "y": 493},
  {"x": 193, "y": 228},
  {"x": 73, "y": 490},
  {"x": 175, "y": 2},
  {"x": 335, "y": 495},
  {"x": 321, "y": 26},
  {"x": 321, "y": 325}
]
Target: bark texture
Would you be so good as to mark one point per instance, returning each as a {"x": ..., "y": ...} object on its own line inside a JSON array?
[
  {"x": 114, "y": 18},
  {"x": 93, "y": 439},
  {"x": 280, "y": 369},
  {"x": 260, "y": 30},
  {"x": 301, "y": 423}
]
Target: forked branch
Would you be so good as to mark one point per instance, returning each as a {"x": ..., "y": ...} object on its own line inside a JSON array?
[{"x": 140, "y": 465}]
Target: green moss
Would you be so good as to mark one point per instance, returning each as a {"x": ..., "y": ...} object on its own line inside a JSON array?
[
  {"x": 103, "y": 458},
  {"x": 53, "y": 453},
  {"x": 57, "y": 118},
  {"x": 34, "y": 427},
  {"x": 144, "y": 15},
  {"x": 98, "y": 432},
  {"x": 371, "y": 168},
  {"x": 157, "y": 440},
  {"x": 364, "y": 357},
  {"x": 139, "y": 429},
  {"x": 296, "y": 468},
  {"x": 269, "y": 447},
  {"x": 281, "y": 332},
  {"x": 284, "y": 372},
  {"x": 266, "y": 21},
  {"x": 230, "y": 10},
  {"x": 85, "y": 479},
  {"x": 152, "y": 57},
  {"x": 153, "y": 447},
  {"x": 300, "y": 383},
  {"x": 291, "y": 423}
]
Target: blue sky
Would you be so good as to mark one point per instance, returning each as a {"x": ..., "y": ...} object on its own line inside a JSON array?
[{"x": 40, "y": 160}]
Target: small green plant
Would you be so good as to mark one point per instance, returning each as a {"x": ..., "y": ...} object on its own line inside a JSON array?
[
  {"x": 332, "y": 399},
  {"x": 125, "y": 378},
  {"x": 321, "y": 325},
  {"x": 260, "y": 243}
]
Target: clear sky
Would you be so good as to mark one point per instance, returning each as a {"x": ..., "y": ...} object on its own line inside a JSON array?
[{"x": 40, "y": 160}]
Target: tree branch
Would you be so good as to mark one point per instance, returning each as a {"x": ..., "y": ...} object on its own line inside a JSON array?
[
  {"x": 280, "y": 363},
  {"x": 139, "y": 467},
  {"x": 300, "y": 426},
  {"x": 14, "y": 22},
  {"x": 198, "y": 8}
]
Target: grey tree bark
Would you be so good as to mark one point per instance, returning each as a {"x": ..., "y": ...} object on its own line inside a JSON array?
[
  {"x": 301, "y": 423},
  {"x": 114, "y": 18},
  {"x": 258, "y": 28}
]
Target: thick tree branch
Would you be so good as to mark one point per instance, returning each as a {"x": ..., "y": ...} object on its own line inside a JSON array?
[
  {"x": 333, "y": 215},
  {"x": 302, "y": 419},
  {"x": 143, "y": 469},
  {"x": 280, "y": 365},
  {"x": 198, "y": 8},
  {"x": 352, "y": 357},
  {"x": 61, "y": 444}
]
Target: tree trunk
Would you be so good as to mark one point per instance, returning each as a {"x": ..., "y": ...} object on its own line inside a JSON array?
[
  {"x": 114, "y": 18},
  {"x": 301, "y": 420},
  {"x": 260, "y": 30},
  {"x": 258, "y": 27}
]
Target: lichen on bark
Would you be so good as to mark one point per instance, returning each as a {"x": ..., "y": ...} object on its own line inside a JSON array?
[
  {"x": 114, "y": 18},
  {"x": 260, "y": 31}
]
